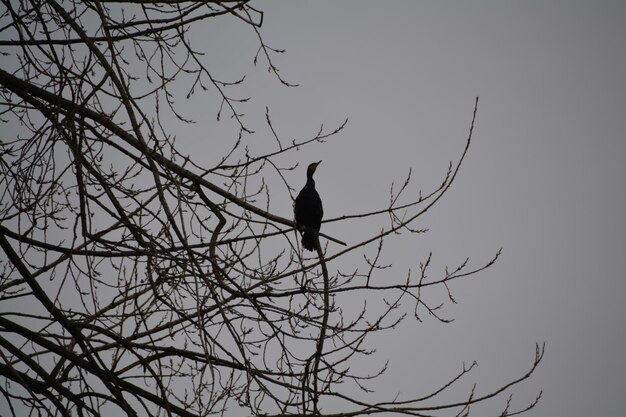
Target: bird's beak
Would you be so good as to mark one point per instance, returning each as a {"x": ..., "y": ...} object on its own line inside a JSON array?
[{"x": 318, "y": 164}]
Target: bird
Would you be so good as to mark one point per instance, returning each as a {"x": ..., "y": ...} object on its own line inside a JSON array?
[{"x": 308, "y": 209}]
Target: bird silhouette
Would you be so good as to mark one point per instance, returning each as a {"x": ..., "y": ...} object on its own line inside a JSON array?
[{"x": 308, "y": 209}]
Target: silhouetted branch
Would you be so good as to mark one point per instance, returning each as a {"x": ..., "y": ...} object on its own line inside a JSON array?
[{"x": 139, "y": 280}]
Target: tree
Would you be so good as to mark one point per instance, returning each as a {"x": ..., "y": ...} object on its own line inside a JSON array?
[{"x": 136, "y": 281}]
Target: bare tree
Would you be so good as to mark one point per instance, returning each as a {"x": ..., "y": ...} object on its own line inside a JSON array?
[{"x": 136, "y": 281}]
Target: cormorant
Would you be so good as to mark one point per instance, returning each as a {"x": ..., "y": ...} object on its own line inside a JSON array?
[{"x": 308, "y": 209}]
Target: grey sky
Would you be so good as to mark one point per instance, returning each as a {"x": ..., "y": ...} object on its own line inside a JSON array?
[{"x": 544, "y": 178}]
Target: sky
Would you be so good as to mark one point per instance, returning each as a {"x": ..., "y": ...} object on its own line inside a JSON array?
[{"x": 544, "y": 178}]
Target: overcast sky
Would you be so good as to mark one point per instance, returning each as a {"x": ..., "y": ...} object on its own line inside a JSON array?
[{"x": 544, "y": 178}]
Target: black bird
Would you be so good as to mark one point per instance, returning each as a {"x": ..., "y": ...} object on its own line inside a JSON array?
[{"x": 308, "y": 209}]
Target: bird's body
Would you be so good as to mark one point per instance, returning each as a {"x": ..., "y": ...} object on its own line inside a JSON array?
[{"x": 308, "y": 209}]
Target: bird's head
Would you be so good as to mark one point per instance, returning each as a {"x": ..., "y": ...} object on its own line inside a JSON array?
[
  {"x": 313, "y": 166},
  {"x": 311, "y": 169}
]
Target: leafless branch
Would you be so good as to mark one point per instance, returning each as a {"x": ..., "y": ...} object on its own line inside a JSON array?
[{"x": 137, "y": 280}]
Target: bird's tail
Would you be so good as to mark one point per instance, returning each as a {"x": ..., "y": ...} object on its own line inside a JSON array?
[{"x": 308, "y": 240}]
